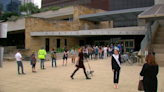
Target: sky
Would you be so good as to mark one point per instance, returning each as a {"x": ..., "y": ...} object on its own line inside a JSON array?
[{"x": 38, "y": 2}]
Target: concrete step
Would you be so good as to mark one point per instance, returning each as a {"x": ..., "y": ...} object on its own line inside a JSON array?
[
  {"x": 158, "y": 42},
  {"x": 157, "y": 46},
  {"x": 160, "y": 34},
  {"x": 159, "y": 50},
  {"x": 159, "y": 39},
  {"x": 160, "y": 63},
  {"x": 160, "y": 29},
  {"x": 159, "y": 57},
  {"x": 9, "y": 59}
]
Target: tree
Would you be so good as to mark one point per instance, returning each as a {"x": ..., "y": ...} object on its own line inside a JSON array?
[
  {"x": 29, "y": 8},
  {"x": 5, "y": 16}
]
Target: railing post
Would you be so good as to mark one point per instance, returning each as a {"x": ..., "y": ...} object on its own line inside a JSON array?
[{"x": 148, "y": 28}]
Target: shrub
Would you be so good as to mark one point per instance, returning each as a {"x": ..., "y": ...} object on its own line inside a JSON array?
[
  {"x": 8, "y": 15},
  {"x": 44, "y": 9},
  {"x": 54, "y": 8}
]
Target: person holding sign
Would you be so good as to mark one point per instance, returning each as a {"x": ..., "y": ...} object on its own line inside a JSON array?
[{"x": 116, "y": 66}]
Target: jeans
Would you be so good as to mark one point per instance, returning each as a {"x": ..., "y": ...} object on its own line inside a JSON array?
[
  {"x": 85, "y": 55},
  {"x": 100, "y": 56},
  {"x": 77, "y": 70},
  {"x": 19, "y": 63},
  {"x": 42, "y": 63},
  {"x": 90, "y": 54},
  {"x": 53, "y": 59},
  {"x": 110, "y": 53}
]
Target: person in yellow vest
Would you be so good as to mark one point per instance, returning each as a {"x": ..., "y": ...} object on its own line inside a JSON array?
[{"x": 41, "y": 54}]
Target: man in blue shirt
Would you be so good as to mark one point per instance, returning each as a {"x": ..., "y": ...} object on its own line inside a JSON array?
[{"x": 119, "y": 46}]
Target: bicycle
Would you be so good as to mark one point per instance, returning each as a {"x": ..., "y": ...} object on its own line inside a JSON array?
[{"x": 126, "y": 59}]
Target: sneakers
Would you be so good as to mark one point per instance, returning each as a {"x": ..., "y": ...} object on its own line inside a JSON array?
[{"x": 88, "y": 78}]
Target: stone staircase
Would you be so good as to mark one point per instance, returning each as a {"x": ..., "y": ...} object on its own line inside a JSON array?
[{"x": 158, "y": 46}]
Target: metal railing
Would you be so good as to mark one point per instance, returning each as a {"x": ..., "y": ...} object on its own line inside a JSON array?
[
  {"x": 88, "y": 27},
  {"x": 145, "y": 44}
]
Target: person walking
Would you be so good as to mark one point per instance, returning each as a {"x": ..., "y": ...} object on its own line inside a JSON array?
[
  {"x": 33, "y": 61},
  {"x": 41, "y": 54},
  {"x": 65, "y": 56},
  {"x": 19, "y": 58},
  {"x": 54, "y": 57},
  {"x": 80, "y": 63},
  {"x": 73, "y": 54},
  {"x": 96, "y": 52},
  {"x": 149, "y": 72},
  {"x": 100, "y": 53},
  {"x": 105, "y": 52},
  {"x": 116, "y": 66}
]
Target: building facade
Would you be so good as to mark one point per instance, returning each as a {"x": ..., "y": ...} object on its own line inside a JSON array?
[
  {"x": 108, "y": 5},
  {"x": 26, "y": 1},
  {"x": 10, "y": 5}
]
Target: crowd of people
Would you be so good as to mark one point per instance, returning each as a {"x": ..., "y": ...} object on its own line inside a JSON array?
[{"x": 149, "y": 70}]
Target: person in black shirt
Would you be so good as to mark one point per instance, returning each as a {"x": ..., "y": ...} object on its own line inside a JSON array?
[
  {"x": 65, "y": 56},
  {"x": 116, "y": 66},
  {"x": 80, "y": 63}
]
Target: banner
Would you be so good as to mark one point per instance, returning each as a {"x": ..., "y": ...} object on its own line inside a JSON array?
[
  {"x": 3, "y": 30},
  {"x": 1, "y": 55}
]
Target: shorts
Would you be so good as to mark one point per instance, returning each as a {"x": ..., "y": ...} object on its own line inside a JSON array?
[
  {"x": 33, "y": 65},
  {"x": 65, "y": 57}
]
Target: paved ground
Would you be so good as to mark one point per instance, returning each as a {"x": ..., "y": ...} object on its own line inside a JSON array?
[{"x": 58, "y": 79}]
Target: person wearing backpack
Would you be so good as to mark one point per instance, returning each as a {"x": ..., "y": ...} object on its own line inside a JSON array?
[
  {"x": 33, "y": 61},
  {"x": 53, "y": 56}
]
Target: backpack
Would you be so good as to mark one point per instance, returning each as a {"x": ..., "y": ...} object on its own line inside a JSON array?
[{"x": 52, "y": 55}]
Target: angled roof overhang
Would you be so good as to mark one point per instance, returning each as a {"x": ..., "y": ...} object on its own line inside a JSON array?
[
  {"x": 153, "y": 13},
  {"x": 118, "y": 15}
]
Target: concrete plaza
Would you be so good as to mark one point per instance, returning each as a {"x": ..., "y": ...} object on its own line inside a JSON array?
[{"x": 58, "y": 79}]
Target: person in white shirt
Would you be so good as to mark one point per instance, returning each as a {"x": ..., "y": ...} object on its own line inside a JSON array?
[
  {"x": 19, "y": 58},
  {"x": 110, "y": 51},
  {"x": 105, "y": 52}
]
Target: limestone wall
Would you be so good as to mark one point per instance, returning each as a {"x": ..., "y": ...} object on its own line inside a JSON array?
[{"x": 159, "y": 2}]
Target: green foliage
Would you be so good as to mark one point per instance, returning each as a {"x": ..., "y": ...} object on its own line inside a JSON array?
[
  {"x": 8, "y": 15},
  {"x": 59, "y": 49},
  {"x": 14, "y": 18},
  {"x": 54, "y": 8},
  {"x": 44, "y": 9},
  {"x": 31, "y": 7},
  {"x": 68, "y": 6},
  {"x": 76, "y": 47}
]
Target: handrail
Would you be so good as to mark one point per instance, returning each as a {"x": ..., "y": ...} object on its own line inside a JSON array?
[{"x": 145, "y": 44}]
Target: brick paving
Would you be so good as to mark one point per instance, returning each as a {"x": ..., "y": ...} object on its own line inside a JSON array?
[{"x": 58, "y": 79}]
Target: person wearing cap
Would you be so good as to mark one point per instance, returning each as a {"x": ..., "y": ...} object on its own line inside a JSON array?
[
  {"x": 33, "y": 61},
  {"x": 116, "y": 66},
  {"x": 41, "y": 54},
  {"x": 53, "y": 56},
  {"x": 19, "y": 58}
]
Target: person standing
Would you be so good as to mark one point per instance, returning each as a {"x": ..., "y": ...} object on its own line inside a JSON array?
[
  {"x": 80, "y": 63},
  {"x": 19, "y": 58},
  {"x": 112, "y": 48},
  {"x": 53, "y": 57},
  {"x": 86, "y": 53},
  {"x": 90, "y": 52},
  {"x": 96, "y": 52},
  {"x": 41, "y": 54},
  {"x": 105, "y": 52},
  {"x": 116, "y": 66},
  {"x": 93, "y": 51},
  {"x": 122, "y": 48},
  {"x": 110, "y": 51},
  {"x": 73, "y": 54},
  {"x": 33, "y": 61},
  {"x": 100, "y": 53},
  {"x": 149, "y": 72},
  {"x": 65, "y": 56}
]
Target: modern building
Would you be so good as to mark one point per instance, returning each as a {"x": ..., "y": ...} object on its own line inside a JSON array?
[
  {"x": 26, "y": 1},
  {"x": 107, "y": 5},
  {"x": 136, "y": 28},
  {"x": 10, "y": 5}
]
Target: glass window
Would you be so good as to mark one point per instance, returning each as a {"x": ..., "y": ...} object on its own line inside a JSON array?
[
  {"x": 126, "y": 44},
  {"x": 131, "y": 43}
]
